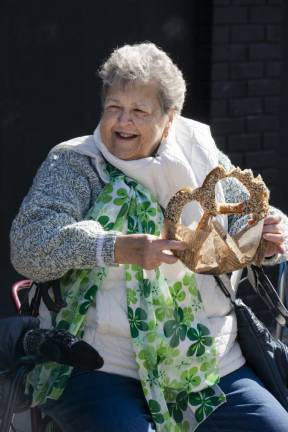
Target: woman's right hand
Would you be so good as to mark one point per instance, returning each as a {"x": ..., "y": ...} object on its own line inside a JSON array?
[{"x": 146, "y": 250}]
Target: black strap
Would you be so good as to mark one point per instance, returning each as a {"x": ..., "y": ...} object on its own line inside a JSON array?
[
  {"x": 221, "y": 285},
  {"x": 265, "y": 289},
  {"x": 54, "y": 304}
]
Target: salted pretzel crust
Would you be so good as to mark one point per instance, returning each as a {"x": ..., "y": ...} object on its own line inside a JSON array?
[
  {"x": 257, "y": 205},
  {"x": 209, "y": 248}
]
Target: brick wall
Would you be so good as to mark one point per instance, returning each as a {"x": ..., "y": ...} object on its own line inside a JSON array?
[{"x": 245, "y": 84}]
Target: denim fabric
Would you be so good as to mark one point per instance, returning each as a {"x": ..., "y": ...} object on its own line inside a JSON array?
[
  {"x": 102, "y": 402},
  {"x": 249, "y": 408}
]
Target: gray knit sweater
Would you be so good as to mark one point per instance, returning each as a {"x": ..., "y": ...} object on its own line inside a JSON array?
[{"x": 49, "y": 236}]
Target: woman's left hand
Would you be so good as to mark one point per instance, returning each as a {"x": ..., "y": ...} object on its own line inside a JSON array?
[{"x": 274, "y": 234}]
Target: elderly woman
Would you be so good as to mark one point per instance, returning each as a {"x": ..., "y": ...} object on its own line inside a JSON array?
[{"x": 93, "y": 218}]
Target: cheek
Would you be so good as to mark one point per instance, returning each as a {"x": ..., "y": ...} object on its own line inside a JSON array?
[
  {"x": 156, "y": 133},
  {"x": 105, "y": 128}
]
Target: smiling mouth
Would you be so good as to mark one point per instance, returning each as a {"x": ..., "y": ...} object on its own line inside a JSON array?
[{"x": 126, "y": 136}]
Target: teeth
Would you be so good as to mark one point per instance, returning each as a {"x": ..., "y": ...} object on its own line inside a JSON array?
[{"x": 125, "y": 135}]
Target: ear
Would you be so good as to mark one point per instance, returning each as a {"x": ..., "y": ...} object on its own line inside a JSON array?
[{"x": 171, "y": 114}]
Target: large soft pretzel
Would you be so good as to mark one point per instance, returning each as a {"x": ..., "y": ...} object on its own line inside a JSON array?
[{"x": 257, "y": 205}]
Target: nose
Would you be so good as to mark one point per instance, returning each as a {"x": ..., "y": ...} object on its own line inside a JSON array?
[{"x": 124, "y": 117}]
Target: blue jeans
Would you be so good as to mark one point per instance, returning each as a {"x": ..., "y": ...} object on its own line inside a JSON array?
[{"x": 101, "y": 402}]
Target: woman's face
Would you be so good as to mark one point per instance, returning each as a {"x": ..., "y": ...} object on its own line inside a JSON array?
[{"x": 132, "y": 123}]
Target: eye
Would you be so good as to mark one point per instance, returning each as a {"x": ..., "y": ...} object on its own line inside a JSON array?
[
  {"x": 139, "y": 112},
  {"x": 112, "y": 107}
]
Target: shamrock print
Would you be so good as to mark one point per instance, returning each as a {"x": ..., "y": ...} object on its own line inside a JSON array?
[
  {"x": 145, "y": 211},
  {"x": 201, "y": 338},
  {"x": 206, "y": 400},
  {"x": 138, "y": 321},
  {"x": 105, "y": 196},
  {"x": 112, "y": 171},
  {"x": 105, "y": 222},
  {"x": 177, "y": 292},
  {"x": 190, "y": 282},
  {"x": 188, "y": 315},
  {"x": 170, "y": 343},
  {"x": 176, "y": 329},
  {"x": 122, "y": 197},
  {"x": 131, "y": 295},
  {"x": 145, "y": 287},
  {"x": 149, "y": 227},
  {"x": 132, "y": 225},
  {"x": 88, "y": 298},
  {"x": 164, "y": 307},
  {"x": 190, "y": 379},
  {"x": 133, "y": 270},
  {"x": 176, "y": 408},
  {"x": 155, "y": 411},
  {"x": 149, "y": 357}
]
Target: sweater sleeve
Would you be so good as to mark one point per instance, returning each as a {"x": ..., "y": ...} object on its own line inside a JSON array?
[
  {"x": 50, "y": 235},
  {"x": 235, "y": 192}
]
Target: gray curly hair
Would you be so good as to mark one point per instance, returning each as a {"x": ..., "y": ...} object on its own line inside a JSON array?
[{"x": 145, "y": 63}]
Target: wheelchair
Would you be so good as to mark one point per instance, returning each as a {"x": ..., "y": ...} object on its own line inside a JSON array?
[
  {"x": 39, "y": 422},
  {"x": 20, "y": 290}
]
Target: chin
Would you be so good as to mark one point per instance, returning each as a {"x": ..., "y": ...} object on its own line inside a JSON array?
[
  {"x": 125, "y": 154},
  {"x": 127, "y": 158}
]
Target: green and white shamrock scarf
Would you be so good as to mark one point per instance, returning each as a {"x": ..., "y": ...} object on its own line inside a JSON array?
[{"x": 173, "y": 346}]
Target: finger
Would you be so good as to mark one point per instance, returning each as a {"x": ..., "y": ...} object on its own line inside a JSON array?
[
  {"x": 272, "y": 220},
  {"x": 170, "y": 245},
  {"x": 167, "y": 258},
  {"x": 151, "y": 266},
  {"x": 280, "y": 249},
  {"x": 274, "y": 229},
  {"x": 274, "y": 249},
  {"x": 274, "y": 238}
]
